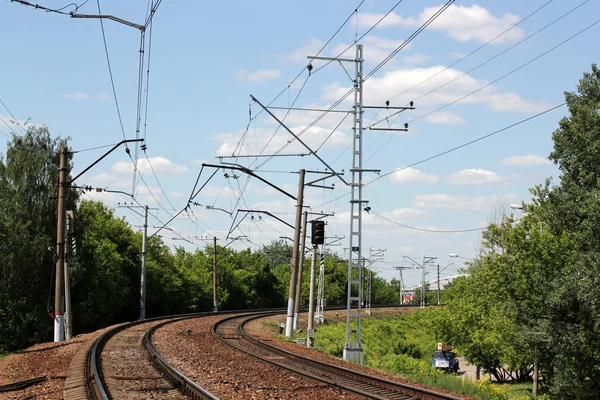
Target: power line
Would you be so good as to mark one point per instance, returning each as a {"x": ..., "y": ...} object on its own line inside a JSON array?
[
  {"x": 429, "y": 230},
  {"x": 319, "y": 52},
  {"x": 93, "y": 148},
  {"x": 453, "y": 149},
  {"x": 481, "y": 64},
  {"x": 508, "y": 73},
  {"x": 157, "y": 181},
  {"x": 52, "y": 10},
  {"x": 362, "y": 36},
  {"x": 379, "y": 66},
  {"x": 112, "y": 81},
  {"x": 492, "y": 82},
  {"x": 472, "y": 52},
  {"x": 469, "y": 143},
  {"x": 13, "y": 117}
]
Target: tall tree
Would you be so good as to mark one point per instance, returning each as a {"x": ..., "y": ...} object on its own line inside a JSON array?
[
  {"x": 28, "y": 215},
  {"x": 573, "y": 207}
]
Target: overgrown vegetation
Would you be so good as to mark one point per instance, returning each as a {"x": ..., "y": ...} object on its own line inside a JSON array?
[{"x": 404, "y": 345}]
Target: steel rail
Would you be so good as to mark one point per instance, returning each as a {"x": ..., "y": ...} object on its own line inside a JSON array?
[{"x": 350, "y": 380}]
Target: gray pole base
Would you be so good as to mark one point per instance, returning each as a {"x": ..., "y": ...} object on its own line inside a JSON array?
[{"x": 354, "y": 355}]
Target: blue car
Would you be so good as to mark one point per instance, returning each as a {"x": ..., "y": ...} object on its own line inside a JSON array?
[{"x": 445, "y": 360}]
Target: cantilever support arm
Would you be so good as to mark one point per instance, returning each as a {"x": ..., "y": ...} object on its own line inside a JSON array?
[
  {"x": 105, "y": 154},
  {"x": 299, "y": 140},
  {"x": 252, "y": 174},
  {"x": 111, "y": 17}
]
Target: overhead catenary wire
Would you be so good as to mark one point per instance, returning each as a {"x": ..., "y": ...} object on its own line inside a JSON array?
[
  {"x": 112, "y": 81},
  {"x": 371, "y": 73},
  {"x": 429, "y": 230},
  {"x": 453, "y": 149},
  {"x": 319, "y": 52},
  {"x": 479, "y": 65},
  {"x": 492, "y": 82},
  {"x": 474, "y": 51},
  {"x": 52, "y": 10}
]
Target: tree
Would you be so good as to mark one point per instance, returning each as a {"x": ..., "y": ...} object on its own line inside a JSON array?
[
  {"x": 28, "y": 215},
  {"x": 573, "y": 208}
]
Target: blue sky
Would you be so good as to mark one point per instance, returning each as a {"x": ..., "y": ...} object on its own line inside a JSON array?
[{"x": 208, "y": 57}]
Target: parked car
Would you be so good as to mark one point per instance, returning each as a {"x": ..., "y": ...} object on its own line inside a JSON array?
[{"x": 445, "y": 360}]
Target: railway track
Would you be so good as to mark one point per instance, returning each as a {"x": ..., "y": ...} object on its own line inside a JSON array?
[
  {"x": 105, "y": 366},
  {"x": 116, "y": 365},
  {"x": 231, "y": 331}
]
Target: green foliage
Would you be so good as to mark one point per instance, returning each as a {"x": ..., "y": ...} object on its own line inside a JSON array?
[
  {"x": 533, "y": 293},
  {"x": 28, "y": 189},
  {"x": 404, "y": 345}
]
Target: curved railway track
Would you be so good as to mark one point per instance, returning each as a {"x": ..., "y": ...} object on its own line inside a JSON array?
[
  {"x": 160, "y": 379},
  {"x": 105, "y": 370},
  {"x": 231, "y": 331}
]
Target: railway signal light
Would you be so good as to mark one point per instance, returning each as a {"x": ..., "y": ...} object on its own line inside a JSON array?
[{"x": 318, "y": 232}]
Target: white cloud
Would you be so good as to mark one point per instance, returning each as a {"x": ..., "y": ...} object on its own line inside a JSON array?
[
  {"x": 436, "y": 91},
  {"x": 448, "y": 202},
  {"x": 402, "y": 214},
  {"x": 257, "y": 76},
  {"x": 85, "y": 96},
  {"x": 416, "y": 58},
  {"x": 462, "y": 23},
  {"x": 530, "y": 160},
  {"x": 411, "y": 175},
  {"x": 299, "y": 55},
  {"x": 161, "y": 166},
  {"x": 446, "y": 118},
  {"x": 476, "y": 176}
]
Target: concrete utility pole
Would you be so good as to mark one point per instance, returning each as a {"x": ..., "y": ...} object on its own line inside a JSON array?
[
  {"x": 68, "y": 311},
  {"x": 311, "y": 300},
  {"x": 401, "y": 291},
  {"x": 59, "y": 322},
  {"x": 299, "y": 276},
  {"x": 143, "y": 277},
  {"x": 289, "y": 325},
  {"x": 215, "y": 305}
]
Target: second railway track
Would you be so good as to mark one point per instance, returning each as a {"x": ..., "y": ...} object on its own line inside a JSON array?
[{"x": 231, "y": 331}]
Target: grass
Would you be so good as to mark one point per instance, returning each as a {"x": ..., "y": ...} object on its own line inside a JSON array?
[
  {"x": 404, "y": 345},
  {"x": 519, "y": 391}
]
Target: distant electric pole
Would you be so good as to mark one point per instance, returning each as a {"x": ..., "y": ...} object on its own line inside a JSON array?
[
  {"x": 426, "y": 260},
  {"x": 375, "y": 255},
  {"x": 438, "y": 283},
  {"x": 143, "y": 279},
  {"x": 401, "y": 288}
]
